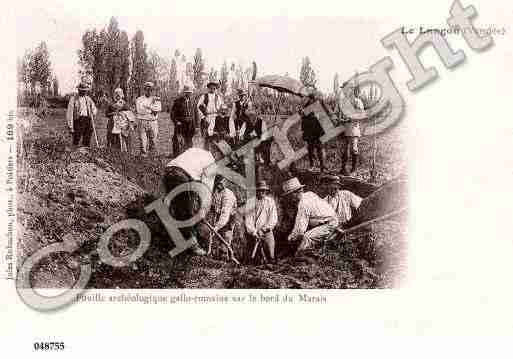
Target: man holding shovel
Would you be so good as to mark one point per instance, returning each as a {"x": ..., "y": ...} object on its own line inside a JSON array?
[
  {"x": 224, "y": 204},
  {"x": 260, "y": 222}
]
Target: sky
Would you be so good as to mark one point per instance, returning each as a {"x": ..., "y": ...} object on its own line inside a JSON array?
[{"x": 277, "y": 43}]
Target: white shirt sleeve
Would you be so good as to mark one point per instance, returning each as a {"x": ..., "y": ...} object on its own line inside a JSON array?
[
  {"x": 93, "y": 107},
  {"x": 355, "y": 200},
  {"x": 301, "y": 223},
  {"x": 69, "y": 112},
  {"x": 273, "y": 215},
  {"x": 231, "y": 122},
  {"x": 201, "y": 102},
  {"x": 250, "y": 222},
  {"x": 227, "y": 204}
]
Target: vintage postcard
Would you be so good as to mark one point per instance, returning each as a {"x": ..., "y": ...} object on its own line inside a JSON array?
[{"x": 257, "y": 164}]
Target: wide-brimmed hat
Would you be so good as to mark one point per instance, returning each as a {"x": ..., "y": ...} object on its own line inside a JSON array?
[
  {"x": 212, "y": 83},
  {"x": 262, "y": 186},
  {"x": 149, "y": 84},
  {"x": 331, "y": 179},
  {"x": 241, "y": 92},
  {"x": 120, "y": 92},
  {"x": 83, "y": 87},
  {"x": 187, "y": 89},
  {"x": 220, "y": 180},
  {"x": 291, "y": 185}
]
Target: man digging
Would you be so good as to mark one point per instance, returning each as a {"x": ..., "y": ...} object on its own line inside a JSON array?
[
  {"x": 260, "y": 222},
  {"x": 315, "y": 220}
]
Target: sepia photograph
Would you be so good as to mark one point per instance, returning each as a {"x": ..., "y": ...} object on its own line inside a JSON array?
[
  {"x": 259, "y": 179},
  {"x": 302, "y": 184}
]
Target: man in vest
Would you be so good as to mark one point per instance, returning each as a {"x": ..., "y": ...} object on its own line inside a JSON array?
[
  {"x": 224, "y": 204},
  {"x": 182, "y": 115},
  {"x": 209, "y": 106},
  {"x": 80, "y": 116},
  {"x": 344, "y": 202},
  {"x": 148, "y": 107},
  {"x": 352, "y": 131},
  {"x": 315, "y": 220},
  {"x": 260, "y": 222}
]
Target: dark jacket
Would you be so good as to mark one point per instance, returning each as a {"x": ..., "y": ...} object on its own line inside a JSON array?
[
  {"x": 183, "y": 115},
  {"x": 311, "y": 127}
]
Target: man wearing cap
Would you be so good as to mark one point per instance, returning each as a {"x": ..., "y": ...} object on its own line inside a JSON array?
[
  {"x": 182, "y": 115},
  {"x": 209, "y": 106},
  {"x": 224, "y": 203},
  {"x": 148, "y": 107},
  {"x": 344, "y": 202},
  {"x": 80, "y": 116},
  {"x": 238, "y": 115},
  {"x": 315, "y": 220},
  {"x": 260, "y": 222},
  {"x": 352, "y": 131}
]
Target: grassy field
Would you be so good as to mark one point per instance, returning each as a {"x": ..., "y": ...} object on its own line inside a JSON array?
[{"x": 390, "y": 156}]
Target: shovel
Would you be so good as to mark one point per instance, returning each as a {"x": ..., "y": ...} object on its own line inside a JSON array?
[{"x": 228, "y": 246}]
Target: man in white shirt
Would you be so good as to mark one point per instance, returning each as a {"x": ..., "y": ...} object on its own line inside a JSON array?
[
  {"x": 224, "y": 203},
  {"x": 148, "y": 107},
  {"x": 209, "y": 106},
  {"x": 345, "y": 203},
  {"x": 80, "y": 116},
  {"x": 352, "y": 131},
  {"x": 315, "y": 220},
  {"x": 260, "y": 222}
]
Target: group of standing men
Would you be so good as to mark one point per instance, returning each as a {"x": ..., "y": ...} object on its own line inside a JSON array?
[
  {"x": 210, "y": 117},
  {"x": 82, "y": 111}
]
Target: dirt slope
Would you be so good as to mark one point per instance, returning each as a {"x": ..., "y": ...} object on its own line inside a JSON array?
[{"x": 75, "y": 195}]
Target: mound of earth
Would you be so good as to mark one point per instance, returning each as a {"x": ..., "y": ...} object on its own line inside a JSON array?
[{"x": 67, "y": 195}]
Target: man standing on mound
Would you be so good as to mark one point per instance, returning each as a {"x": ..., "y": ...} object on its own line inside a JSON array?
[
  {"x": 80, "y": 116},
  {"x": 148, "y": 107},
  {"x": 315, "y": 220}
]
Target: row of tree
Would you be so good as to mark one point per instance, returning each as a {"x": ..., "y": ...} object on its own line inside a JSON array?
[
  {"x": 109, "y": 59},
  {"x": 35, "y": 74}
]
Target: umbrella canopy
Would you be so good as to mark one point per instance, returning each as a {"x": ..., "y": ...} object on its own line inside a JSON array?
[{"x": 283, "y": 84}]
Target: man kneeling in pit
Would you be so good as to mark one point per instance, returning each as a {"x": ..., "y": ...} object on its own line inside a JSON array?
[{"x": 315, "y": 220}]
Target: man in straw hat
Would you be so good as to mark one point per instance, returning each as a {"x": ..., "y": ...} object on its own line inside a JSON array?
[
  {"x": 315, "y": 220},
  {"x": 224, "y": 204},
  {"x": 148, "y": 107},
  {"x": 344, "y": 202},
  {"x": 260, "y": 222},
  {"x": 209, "y": 106},
  {"x": 80, "y": 116},
  {"x": 182, "y": 115}
]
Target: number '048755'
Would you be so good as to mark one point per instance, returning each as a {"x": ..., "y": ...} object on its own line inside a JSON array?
[{"x": 49, "y": 346}]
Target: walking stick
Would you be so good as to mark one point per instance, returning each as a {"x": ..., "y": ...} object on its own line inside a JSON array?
[
  {"x": 209, "y": 250},
  {"x": 228, "y": 246},
  {"x": 94, "y": 132},
  {"x": 253, "y": 253}
]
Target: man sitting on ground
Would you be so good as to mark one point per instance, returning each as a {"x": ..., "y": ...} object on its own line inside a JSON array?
[{"x": 315, "y": 220}]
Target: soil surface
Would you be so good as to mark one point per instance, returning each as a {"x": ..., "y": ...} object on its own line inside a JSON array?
[{"x": 75, "y": 195}]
